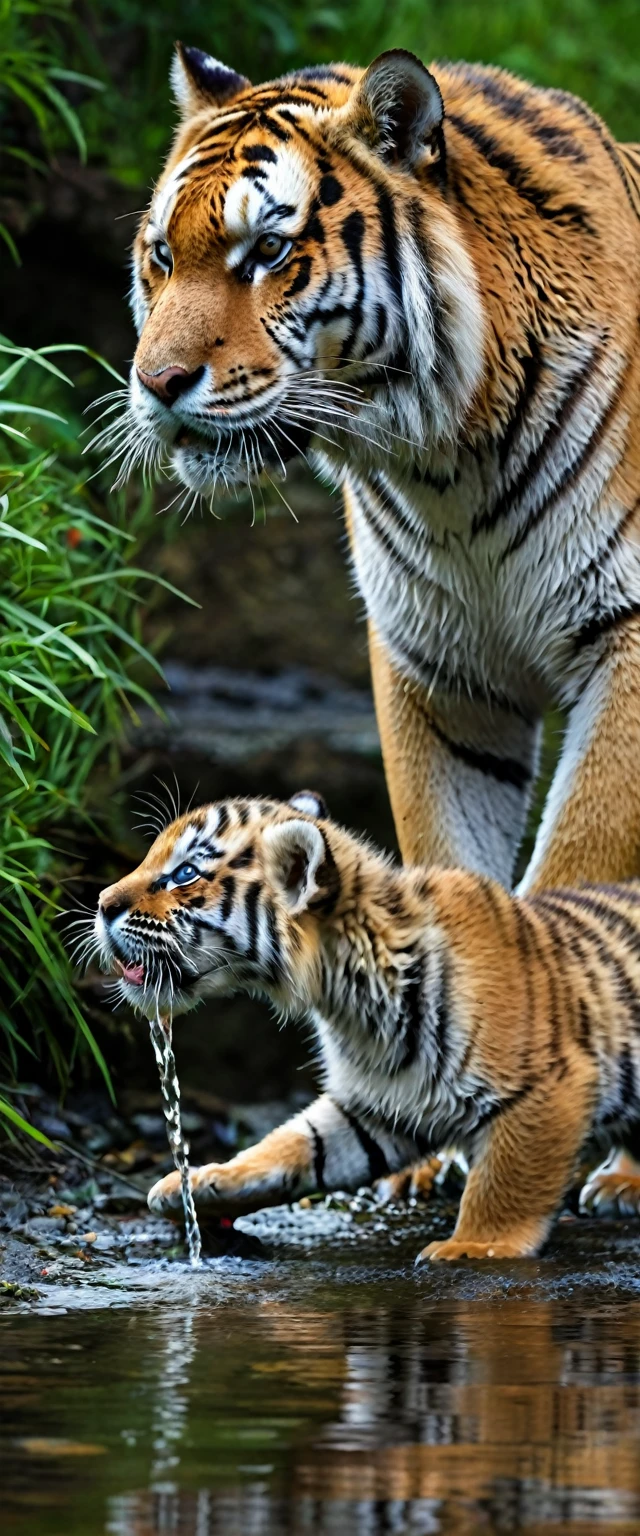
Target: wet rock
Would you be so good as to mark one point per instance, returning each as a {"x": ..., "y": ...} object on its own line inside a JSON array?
[
  {"x": 151, "y": 1127},
  {"x": 231, "y": 715},
  {"x": 120, "y": 1202},
  {"x": 44, "y": 1226},
  {"x": 103, "y": 1242},
  {"x": 53, "y": 1127},
  {"x": 13, "y": 1211}
]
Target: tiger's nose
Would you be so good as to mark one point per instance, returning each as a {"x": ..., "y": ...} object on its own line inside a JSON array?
[
  {"x": 169, "y": 382},
  {"x": 111, "y": 903}
]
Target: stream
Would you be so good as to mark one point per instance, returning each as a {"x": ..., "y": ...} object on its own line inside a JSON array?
[{"x": 328, "y": 1387}]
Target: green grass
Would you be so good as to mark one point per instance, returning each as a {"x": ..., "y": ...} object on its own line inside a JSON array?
[{"x": 72, "y": 667}]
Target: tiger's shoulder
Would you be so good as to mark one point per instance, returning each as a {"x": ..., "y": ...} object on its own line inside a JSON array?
[{"x": 520, "y": 129}]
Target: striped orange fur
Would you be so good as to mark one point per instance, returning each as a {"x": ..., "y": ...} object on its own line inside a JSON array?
[
  {"x": 445, "y": 1009},
  {"x": 427, "y": 282}
]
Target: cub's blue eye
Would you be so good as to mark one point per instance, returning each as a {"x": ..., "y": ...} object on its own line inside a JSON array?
[{"x": 185, "y": 874}]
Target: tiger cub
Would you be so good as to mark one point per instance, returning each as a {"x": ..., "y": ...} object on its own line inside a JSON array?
[{"x": 446, "y": 1010}]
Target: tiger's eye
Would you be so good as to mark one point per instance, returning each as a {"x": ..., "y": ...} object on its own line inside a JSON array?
[
  {"x": 270, "y": 246},
  {"x": 162, "y": 254}
]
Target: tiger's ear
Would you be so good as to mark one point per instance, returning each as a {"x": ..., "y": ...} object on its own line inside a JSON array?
[
  {"x": 294, "y": 851},
  {"x": 397, "y": 108},
  {"x": 199, "y": 81},
  {"x": 310, "y": 803}
]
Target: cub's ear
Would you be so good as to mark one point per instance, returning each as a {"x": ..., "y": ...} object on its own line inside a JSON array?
[
  {"x": 310, "y": 803},
  {"x": 397, "y": 109},
  {"x": 199, "y": 81},
  {"x": 294, "y": 851}
]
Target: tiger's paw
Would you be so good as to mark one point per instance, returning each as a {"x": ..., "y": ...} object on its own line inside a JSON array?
[
  {"x": 412, "y": 1183},
  {"x": 210, "y": 1186},
  {"x": 459, "y": 1248},
  {"x": 611, "y": 1194}
]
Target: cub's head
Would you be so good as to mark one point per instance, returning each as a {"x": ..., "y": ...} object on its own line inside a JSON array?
[
  {"x": 228, "y": 898},
  {"x": 300, "y": 281}
]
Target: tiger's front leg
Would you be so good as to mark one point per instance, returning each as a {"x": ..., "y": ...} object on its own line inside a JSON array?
[{"x": 325, "y": 1147}]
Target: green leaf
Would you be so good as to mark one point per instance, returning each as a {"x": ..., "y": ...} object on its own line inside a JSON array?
[
  {"x": 24, "y": 1125},
  {"x": 7, "y": 531}
]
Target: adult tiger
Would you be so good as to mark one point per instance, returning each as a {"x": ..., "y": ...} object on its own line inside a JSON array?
[{"x": 428, "y": 282}]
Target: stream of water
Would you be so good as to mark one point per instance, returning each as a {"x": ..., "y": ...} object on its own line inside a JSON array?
[{"x": 161, "y": 1040}]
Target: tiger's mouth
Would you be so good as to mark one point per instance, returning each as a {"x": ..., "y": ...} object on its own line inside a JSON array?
[
  {"x": 257, "y": 446},
  {"x": 133, "y": 974},
  {"x": 161, "y": 981}
]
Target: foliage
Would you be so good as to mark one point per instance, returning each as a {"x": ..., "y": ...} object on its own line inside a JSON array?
[
  {"x": 33, "y": 106},
  {"x": 70, "y": 648}
]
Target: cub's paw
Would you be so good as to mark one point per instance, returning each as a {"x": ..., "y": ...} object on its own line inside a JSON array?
[
  {"x": 454, "y": 1248},
  {"x": 207, "y": 1188},
  {"x": 611, "y": 1194},
  {"x": 412, "y": 1183}
]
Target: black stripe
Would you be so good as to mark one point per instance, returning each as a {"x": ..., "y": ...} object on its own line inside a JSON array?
[
  {"x": 532, "y": 367},
  {"x": 275, "y": 128},
  {"x": 378, "y": 1164},
  {"x": 223, "y": 819},
  {"x": 390, "y": 245},
  {"x": 237, "y": 122},
  {"x": 246, "y": 856},
  {"x": 441, "y": 1012},
  {"x": 397, "y": 512},
  {"x": 561, "y": 902},
  {"x": 412, "y": 1013},
  {"x": 275, "y": 969},
  {"x": 324, "y": 72},
  {"x": 599, "y": 128},
  {"x": 584, "y": 1034},
  {"x": 612, "y": 918},
  {"x": 627, "y": 1091},
  {"x": 369, "y": 511},
  {"x": 352, "y": 234},
  {"x": 294, "y": 120},
  {"x": 251, "y": 908},
  {"x": 319, "y": 1156},
  {"x": 507, "y": 770},
  {"x": 227, "y": 888},
  {"x": 220, "y": 158},
  {"x": 500, "y": 1107},
  {"x": 573, "y": 470},
  {"x": 593, "y": 571},
  {"x": 260, "y": 152},
  {"x": 558, "y": 141},
  {"x": 569, "y": 215},
  {"x": 302, "y": 277},
  {"x": 601, "y": 624},
  {"x": 579, "y": 380},
  {"x": 563, "y": 1009}
]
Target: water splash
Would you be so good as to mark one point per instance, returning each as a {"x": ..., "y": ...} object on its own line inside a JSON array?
[{"x": 161, "y": 1040}]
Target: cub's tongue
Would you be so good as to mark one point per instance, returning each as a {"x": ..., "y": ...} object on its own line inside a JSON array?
[{"x": 134, "y": 974}]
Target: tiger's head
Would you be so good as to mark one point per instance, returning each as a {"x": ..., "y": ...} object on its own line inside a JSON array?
[
  {"x": 229, "y": 897},
  {"x": 301, "y": 283}
]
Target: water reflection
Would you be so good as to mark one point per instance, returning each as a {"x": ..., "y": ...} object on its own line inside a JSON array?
[{"x": 392, "y": 1417}]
